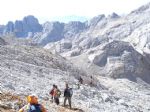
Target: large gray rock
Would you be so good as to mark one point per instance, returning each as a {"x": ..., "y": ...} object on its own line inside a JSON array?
[
  {"x": 52, "y": 32},
  {"x": 121, "y": 60},
  {"x": 88, "y": 42},
  {"x": 2, "y": 41},
  {"x": 94, "y": 21},
  {"x": 31, "y": 24},
  {"x": 72, "y": 28},
  {"x": 22, "y": 28},
  {"x": 66, "y": 45}
]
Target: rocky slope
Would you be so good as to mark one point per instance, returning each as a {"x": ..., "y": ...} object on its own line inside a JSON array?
[
  {"x": 112, "y": 46},
  {"x": 2, "y": 41},
  {"x": 28, "y": 69},
  {"x": 23, "y": 62},
  {"x": 116, "y": 59},
  {"x": 118, "y": 95}
]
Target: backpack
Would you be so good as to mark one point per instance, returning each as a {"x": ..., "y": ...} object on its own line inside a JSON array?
[
  {"x": 35, "y": 108},
  {"x": 68, "y": 92},
  {"x": 71, "y": 92},
  {"x": 58, "y": 92}
]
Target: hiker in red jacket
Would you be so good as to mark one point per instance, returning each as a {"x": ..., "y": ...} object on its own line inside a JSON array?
[
  {"x": 52, "y": 93},
  {"x": 56, "y": 95}
]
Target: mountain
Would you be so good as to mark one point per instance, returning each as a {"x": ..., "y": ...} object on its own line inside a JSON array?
[
  {"x": 75, "y": 39},
  {"x": 51, "y": 32},
  {"x": 20, "y": 63},
  {"x": 24, "y": 27},
  {"x": 103, "y": 46},
  {"x": 110, "y": 53},
  {"x": 116, "y": 59},
  {"x": 55, "y": 31}
]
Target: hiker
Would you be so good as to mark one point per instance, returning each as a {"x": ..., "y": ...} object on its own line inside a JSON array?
[
  {"x": 33, "y": 105},
  {"x": 68, "y": 94},
  {"x": 81, "y": 80},
  {"x": 57, "y": 94},
  {"x": 91, "y": 82},
  {"x": 52, "y": 92}
]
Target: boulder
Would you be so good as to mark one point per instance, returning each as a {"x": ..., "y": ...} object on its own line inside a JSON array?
[
  {"x": 120, "y": 60},
  {"x": 2, "y": 41},
  {"x": 66, "y": 45},
  {"x": 72, "y": 28}
]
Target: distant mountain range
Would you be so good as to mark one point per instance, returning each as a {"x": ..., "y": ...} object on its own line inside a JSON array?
[
  {"x": 30, "y": 27},
  {"x": 90, "y": 41}
]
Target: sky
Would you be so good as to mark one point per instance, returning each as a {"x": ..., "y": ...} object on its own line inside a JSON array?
[{"x": 64, "y": 10}]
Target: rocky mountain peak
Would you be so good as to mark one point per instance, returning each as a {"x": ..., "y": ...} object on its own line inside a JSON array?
[
  {"x": 52, "y": 31},
  {"x": 55, "y": 31},
  {"x": 49, "y": 26},
  {"x": 21, "y": 28},
  {"x": 113, "y": 15},
  {"x": 9, "y": 27},
  {"x": 94, "y": 21},
  {"x": 73, "y": 28},
  {"x": 30, "y": 19},
  {"x": 142, "y": 9}
]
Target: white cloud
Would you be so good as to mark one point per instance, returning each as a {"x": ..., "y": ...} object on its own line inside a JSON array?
[{"x": 47, "y": 9}]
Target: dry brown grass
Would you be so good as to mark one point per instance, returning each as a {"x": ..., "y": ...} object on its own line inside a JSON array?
[{"x": 9, "y": 97}]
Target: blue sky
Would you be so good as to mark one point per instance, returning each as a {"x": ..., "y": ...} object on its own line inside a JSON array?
[{"x": 64, "y": 10}]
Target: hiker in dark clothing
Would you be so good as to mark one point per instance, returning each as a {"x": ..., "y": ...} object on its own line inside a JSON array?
[
  {"x": 68, "y": 94},
  {"x": 91, "y": 82},
  {"x": 81, "y": 80}
]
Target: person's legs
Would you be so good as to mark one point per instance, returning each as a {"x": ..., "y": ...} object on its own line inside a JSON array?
[
  {"x": 69, "y": 101},
  {"x": 65, "y": 101},
  {"x": 57, "y": 101},
  {"x": 52, "y": 99}
]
